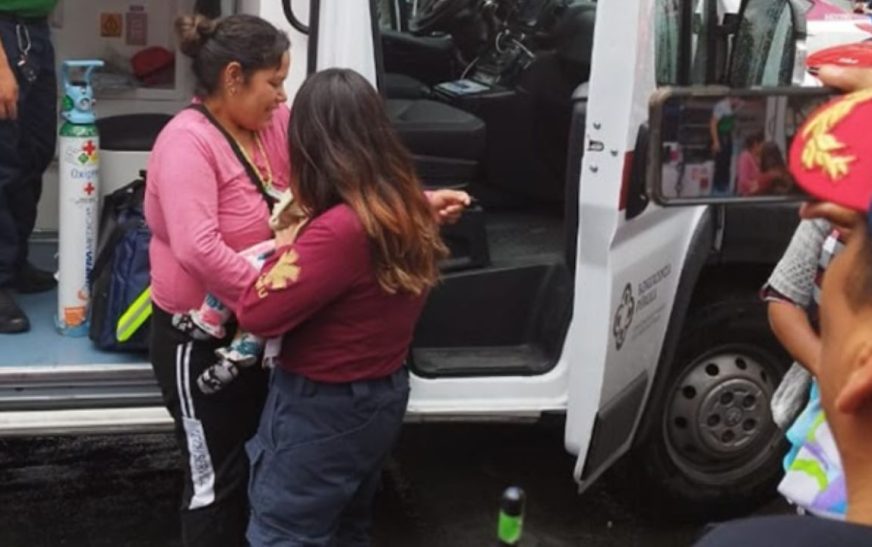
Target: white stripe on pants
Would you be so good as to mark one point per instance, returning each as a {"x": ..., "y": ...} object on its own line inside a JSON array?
[{"x": 202, "y": 472}]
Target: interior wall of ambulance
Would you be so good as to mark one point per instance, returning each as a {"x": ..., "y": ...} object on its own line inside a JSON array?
[{"x": 145, "y": 72}]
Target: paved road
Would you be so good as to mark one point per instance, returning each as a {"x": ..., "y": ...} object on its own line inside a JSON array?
[{"x": 441, "y": 490}]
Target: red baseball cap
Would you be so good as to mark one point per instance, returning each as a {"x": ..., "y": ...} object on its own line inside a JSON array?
[{"x": 831, "y": 154}]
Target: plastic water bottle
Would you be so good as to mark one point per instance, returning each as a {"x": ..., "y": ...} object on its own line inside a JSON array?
[{"x": 511, "y": 519}]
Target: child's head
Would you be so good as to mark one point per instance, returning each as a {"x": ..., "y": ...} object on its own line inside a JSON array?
[{"x": 771, "y": 157}]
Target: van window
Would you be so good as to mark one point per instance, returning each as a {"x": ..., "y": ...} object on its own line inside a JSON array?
[
  {"x": 777, "y": 69},
  {"x": 667, "y": 28},
  {"x": 394, "y": 14},
  {"x": 764, "y": 47}
]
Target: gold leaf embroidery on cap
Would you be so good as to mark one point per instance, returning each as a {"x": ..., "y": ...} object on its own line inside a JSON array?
[
  {"x": 284, "y": 272},
  {"x": 822, "y": 149}
]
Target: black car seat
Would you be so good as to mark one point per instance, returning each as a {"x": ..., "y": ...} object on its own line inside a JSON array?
[
  {"x": 448, "y": 146},
  {"x": 403, "y": 86},
  {"x": 413, "y": 64},
  {"x": 448, "y": 143}
]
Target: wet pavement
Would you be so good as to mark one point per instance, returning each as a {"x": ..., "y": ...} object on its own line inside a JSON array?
[{"x": 441, "y": 489}]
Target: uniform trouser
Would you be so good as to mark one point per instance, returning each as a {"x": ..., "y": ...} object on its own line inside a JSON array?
[
  {"x": 317, "y": 459},
  {"x": 723, "y": 164},
  {"x": 27, "y": 144},
  {"x": 212, "y": 431}
]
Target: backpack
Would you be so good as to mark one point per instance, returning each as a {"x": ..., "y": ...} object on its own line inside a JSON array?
[{"x": 120, "y": 282}]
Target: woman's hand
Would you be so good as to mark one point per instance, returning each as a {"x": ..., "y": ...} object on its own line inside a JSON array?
[
  {"x": 845, "y": 78},
  {"x": 8, "y": 92},
  {"x": 448, "y": 205},
  {"x": 287, "y": 236}
]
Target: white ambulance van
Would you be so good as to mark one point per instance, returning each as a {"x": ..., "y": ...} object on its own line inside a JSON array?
[{"x": 568, "y": 295}]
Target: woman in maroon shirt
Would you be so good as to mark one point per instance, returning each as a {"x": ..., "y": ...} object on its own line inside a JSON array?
[{"x": 345, "y": 294}]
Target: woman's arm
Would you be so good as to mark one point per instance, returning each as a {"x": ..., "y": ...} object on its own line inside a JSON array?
[
  {"x": 300, "y": 279},
  {"x": 793, "y": 329},
  {"x": 794, "y": 275},
  {"x": 188, "y": 195}
]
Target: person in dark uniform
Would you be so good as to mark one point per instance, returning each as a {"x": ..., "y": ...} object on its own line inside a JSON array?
[
  {"x": 844, "y": 367},
  {"x": 28, "y": 125},
  {"x": 721, "y": 127},
  {"x": 345, "y": 294}
]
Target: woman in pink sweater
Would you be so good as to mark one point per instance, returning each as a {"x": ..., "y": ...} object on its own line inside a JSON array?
[
  {"x": 203, "y": 207},
  {"x": 748, "y": 171}
]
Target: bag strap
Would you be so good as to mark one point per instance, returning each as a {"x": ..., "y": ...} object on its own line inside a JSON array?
[{"x": 249, "y": 168}]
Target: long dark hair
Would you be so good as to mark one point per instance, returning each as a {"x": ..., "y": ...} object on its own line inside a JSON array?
[
  {"x": 344, "y": 150},
  {"x": 213, "y": 44}
]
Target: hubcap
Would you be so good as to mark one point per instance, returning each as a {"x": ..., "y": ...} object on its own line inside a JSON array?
[{"x": 718, "y": 417}]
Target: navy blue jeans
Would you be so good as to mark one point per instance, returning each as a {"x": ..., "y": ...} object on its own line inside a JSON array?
[
  {"x": 27, "y": 144},
  {"x": 317, "y": 458}
]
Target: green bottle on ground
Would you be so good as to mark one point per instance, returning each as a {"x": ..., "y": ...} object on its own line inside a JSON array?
[{"x": 511, "y": 519}]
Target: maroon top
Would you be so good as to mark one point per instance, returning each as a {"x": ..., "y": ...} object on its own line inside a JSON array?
[{"x": 339, "y": 325}]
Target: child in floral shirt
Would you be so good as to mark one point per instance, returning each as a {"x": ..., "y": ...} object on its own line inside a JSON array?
[{"x": 208, "y": 321}]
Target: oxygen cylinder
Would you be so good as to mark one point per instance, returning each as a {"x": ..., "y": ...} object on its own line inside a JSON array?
[{"x": 79, "y": 184}]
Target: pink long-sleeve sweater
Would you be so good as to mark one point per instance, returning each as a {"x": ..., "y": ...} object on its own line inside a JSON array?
[{"x": 202, "y": 208}]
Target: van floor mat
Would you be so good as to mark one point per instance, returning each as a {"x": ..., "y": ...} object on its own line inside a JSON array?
[{"x": 515, "y": 237}]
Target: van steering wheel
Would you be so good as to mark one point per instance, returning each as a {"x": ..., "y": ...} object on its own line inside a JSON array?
[{"x": 433, "y": 14}]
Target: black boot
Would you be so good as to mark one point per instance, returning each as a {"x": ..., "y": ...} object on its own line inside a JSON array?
[
  {"x": 32, "y": 280},
  {"x": 12, "y": 319}
]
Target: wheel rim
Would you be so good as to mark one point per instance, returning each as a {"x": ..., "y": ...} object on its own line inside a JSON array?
[{"x": 718, "y": 424}]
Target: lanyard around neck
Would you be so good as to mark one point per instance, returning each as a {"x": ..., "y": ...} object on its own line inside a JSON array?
[
  {"x": 265, "y": 180},
  {"x": 264, "y": 187}
]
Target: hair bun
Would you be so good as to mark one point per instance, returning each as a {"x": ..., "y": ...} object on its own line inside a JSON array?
[{"x": 193, "y": 32}]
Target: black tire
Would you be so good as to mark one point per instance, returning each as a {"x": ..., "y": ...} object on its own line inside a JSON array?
[{"x": 710, "y": 448}]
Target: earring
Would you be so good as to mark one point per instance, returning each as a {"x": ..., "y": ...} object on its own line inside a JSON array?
[{"x": 233, "y": 90}]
